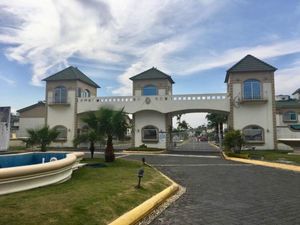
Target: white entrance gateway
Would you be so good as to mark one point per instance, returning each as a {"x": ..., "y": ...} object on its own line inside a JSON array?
[{"x": 249, "y": 102}]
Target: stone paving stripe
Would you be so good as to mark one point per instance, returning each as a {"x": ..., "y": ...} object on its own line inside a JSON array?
[
  {"x": 121, "y": 156},
  {"x": 183, "y": 165},
  {"x": 180, "y": 155}
]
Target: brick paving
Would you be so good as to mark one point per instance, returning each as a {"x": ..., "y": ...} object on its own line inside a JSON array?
[{"x": 225, "y": 192}]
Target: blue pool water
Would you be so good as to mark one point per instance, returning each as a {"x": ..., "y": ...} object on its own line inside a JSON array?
[{"x": 28, "y": 159}]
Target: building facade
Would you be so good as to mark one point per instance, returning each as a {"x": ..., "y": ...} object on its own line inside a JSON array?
[
  {"x": 4, "y": 127},
  {"x": 249, "y": 102}
]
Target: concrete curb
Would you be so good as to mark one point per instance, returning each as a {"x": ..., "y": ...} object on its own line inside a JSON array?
[
  {"x": 264, "y": 163},
  {"x": 141, "y": 211}
]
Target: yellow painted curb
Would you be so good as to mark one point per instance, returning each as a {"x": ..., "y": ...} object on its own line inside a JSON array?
[
  {"x": 264, "y": 163},
  {"x": 141, "y": 211},
  {"x": 214, "y": 145}
]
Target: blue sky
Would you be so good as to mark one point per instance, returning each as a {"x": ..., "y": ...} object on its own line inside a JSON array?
[{"x": 193, "y": 41}]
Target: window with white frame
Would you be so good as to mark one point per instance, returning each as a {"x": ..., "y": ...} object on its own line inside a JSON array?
[
  {"x": 60, "y": 94},
  {"x": 150, "y": 90},
  {"x": 86, "y": 93},
  {"x": 252, "y": 89},
  {"x": 253, "y": 133},
  {"x": 290, "y": 116},
  {"x": 150, "y": 133}
]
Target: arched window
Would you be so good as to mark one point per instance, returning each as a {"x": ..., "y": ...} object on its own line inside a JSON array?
[
  {"x": 60, "y": 94},
  {"x": 252, "y": 89},
  {"x": 86, "y": 93},
  {"x": 62, "y": 132},
  {"x": 253, "y": 133},
  {"x": 290, "y": 116},
  {"x": 150, "y": 133},
  {"x": 150, "y": 90}
]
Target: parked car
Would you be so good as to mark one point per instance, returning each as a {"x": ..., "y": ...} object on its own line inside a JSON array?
[{"x": 203, "y": 138}]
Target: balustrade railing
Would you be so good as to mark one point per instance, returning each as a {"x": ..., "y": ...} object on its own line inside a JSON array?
[{"x": 191, "y": 97}]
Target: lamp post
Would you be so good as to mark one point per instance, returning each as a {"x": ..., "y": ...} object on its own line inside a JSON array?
[{"x": 140, "y": 176}]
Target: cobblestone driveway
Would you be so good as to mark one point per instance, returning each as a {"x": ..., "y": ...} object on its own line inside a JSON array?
[{"x": 224, "y": 192}]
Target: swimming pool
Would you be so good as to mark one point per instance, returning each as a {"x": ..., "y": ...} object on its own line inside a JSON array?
[
  {"x": 7, "y": 161},
  {"x": 25, "y": 171}
]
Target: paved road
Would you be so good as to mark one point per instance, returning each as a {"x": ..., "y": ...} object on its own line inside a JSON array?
[
  {"x": 224, "y": 192},
  {"x": 194, "y": 147}
]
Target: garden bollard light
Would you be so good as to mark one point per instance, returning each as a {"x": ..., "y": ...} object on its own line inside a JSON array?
[
  {"x": 140, "y": 175},
  {"x": 144, "y": 160}
]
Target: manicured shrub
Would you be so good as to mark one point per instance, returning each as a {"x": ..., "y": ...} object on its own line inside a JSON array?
[{"x": 233, "y": 141}]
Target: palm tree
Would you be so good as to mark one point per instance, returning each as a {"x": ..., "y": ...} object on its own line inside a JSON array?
[
  {"x": 183, "y": 125},
  {"x": 41, "y": 136},
  {"x": 111, "y": 123},
  {"x": 91, "y": 137},
  {"x": 216, "y": 120},
  {"x": 104, "y": 123}
]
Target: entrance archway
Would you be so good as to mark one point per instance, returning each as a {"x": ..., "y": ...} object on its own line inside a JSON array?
[{"x": 190, "y": 131}]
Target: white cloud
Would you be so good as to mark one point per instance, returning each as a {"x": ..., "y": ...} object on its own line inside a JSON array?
[
  {"x": 287, "y": 80},
  {"x": 46, "y": 34},
  {"x": 7, "y": 80},
  {"x": 153, "y": 56},
  {"x": 234, "y": 55},
  {"x": 134, "y": 34}
]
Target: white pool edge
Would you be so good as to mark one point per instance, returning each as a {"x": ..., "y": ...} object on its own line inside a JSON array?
[{"x": 22, "y": 178}]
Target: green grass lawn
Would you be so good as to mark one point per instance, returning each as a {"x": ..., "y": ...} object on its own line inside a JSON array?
[
  {"x": 17, "y": 148},
  {"x": 91, "y": 196},
  {"x": 267, "y": 155}
]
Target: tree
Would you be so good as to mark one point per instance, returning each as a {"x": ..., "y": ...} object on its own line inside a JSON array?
[
  {"x": 91, "y": 137},
  {"x": 182, "y": 125},
  {"x": 41, "y": 136},
  {"x": 200, "y": 129},
  {"x": 216, "y": 120},
  {"x": 105, "y": 123},
  {"x": 111, "y": 123},
  {"x": 233, "y": 141}
]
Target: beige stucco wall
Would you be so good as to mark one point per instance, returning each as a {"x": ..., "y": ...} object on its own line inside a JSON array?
[
  {"x": 255, "y": 113},
  {"x": 51, "y": 85},
  {"x": 64, "y": 115},
  {"x": 84, "y": 86},
  {"x": 36, "y": 112},
  {"x": 145, "y": 118},
  {"x": 70, "y": 85},
  {"x": 164, "y": 86},
  {"x": 279, "y": 116},
  {"x": 266, "y": 77},
  {"x": 29, "y": 123},
  {"x": 283, "y": 131}
]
